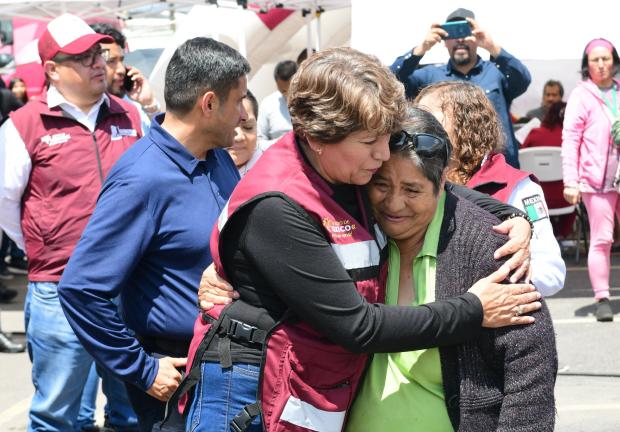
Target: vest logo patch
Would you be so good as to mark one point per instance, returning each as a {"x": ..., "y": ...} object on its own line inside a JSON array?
[
  {"x": 55, "y": 139},
  {"x": 118, "y": 133},
  {"x": 339, "y": 229},
  {"x": 535, "y": 208}
]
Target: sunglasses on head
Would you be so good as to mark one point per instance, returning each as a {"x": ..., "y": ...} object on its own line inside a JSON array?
[{"x": 424, "y": 144}]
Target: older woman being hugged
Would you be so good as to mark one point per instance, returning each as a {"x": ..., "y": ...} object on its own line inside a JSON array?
[{"x": 439, "y": 245}]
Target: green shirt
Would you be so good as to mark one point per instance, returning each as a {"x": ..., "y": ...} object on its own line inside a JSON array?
[{"x": 404, "y": 391}]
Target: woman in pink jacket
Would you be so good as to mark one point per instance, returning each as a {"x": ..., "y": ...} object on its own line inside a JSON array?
[{"x": 590, "y": 159}]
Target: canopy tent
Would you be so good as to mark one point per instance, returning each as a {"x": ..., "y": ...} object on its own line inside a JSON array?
[
  {"x": 264, "y": 39},
  {"x": 241, "y": 30},
  {"x": 126, "y": 9}
]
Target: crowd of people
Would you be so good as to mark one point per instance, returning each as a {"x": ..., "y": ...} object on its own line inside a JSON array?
[{"x": 360, "y": 251}]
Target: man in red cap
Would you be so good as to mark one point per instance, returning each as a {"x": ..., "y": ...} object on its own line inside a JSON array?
[{"x": 55, "y": 153}]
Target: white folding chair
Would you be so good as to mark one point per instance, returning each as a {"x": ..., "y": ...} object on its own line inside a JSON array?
[{"x": 546, "y": 164}]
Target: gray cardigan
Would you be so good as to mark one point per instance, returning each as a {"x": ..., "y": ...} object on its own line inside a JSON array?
[{"x": 504, "y": 380}]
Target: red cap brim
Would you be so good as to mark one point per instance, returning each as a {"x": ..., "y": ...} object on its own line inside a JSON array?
[{"x": 84, "y": 43}]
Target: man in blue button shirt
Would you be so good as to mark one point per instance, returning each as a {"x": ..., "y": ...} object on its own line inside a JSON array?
[
  {"x": 503, "y": 78},
  {"x": 148, "y": 239}
]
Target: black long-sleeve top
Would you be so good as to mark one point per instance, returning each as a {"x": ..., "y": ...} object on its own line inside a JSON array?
[{"x": 278, "y": 260}]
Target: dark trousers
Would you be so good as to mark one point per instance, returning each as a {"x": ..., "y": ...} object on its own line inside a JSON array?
[
  {"x": 150, "y": 412},
  {"x": 8, "y": 247}
]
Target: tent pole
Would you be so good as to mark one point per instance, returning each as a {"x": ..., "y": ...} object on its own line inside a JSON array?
[
  {"x": 318, "y": 29},
  {"x": 309, "y": 34},
  {"x": 241, "y": 42}
]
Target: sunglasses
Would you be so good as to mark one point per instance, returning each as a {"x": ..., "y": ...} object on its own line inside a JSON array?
[
  {"x": 426, "y": 145},
  {"x": 86, "y": 59}
]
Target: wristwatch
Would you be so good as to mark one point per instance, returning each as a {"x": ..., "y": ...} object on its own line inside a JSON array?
[{"x": 152, "y": 108}]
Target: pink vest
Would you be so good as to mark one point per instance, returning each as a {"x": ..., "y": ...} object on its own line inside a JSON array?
[
  {"x": 307, "y": 382},
  {"x": 496, "y": 178},
  {"x": 68, "y": 167}
]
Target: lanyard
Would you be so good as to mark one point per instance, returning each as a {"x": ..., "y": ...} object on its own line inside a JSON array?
[{"x": 612, "y": 107}]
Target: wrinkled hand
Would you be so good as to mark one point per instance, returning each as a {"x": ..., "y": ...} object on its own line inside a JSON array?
[
  {"x": 141, "y": 91},
  {"x": 435, "y": 35},
  {"x": 214, "y": 290},
  {"x": 501, "y": 302},
  {"x": 518, "y": 245},
  {"x": 168, "y": 378},
  {"x": 572, "y": 195},
  {"x": 483, "y": 38}
]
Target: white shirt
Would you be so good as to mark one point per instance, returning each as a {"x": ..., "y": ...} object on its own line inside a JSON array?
[
  {"x": 54, "y": 99},
  {"x": 250, "y": 163},
  {"x": 274, "y": 120},
  {"x": 15, "y": 163},
  {"x": 548, "y": 267},
  {"x": 145, "y": 120}
]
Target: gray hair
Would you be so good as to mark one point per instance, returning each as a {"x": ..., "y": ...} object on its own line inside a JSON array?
[{"x": 432, "y": 167}]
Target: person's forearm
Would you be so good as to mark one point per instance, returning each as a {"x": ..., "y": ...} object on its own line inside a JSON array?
[
  {"x": 320, "y": 291},
  {"x": 404, "y": 66},
  {"x": 104, "y": 335},
  {"x": 517, "y": 75},
  {"x": 405, "y": 328},
  {"x": 10, "y": 221},
  {"x": 573, "y": 130},
  {"x": 497, "y": 208},
  {"x": 15, "y": 169},
  {"x": 97, "y": 273}
]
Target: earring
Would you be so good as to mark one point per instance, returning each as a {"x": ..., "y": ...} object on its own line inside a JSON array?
[{"x": 320, "y": 151}]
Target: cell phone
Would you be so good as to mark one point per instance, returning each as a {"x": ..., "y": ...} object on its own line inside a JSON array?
[
  {"x": 127, "y": 82},
  {"x": 457, "y": 29}
]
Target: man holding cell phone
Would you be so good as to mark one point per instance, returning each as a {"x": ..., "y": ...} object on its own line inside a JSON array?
[
  {"x": 125, "y": 81},
  {"x": 503, "y": 77}
]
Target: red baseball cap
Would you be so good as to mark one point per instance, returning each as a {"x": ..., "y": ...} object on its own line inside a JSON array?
[{"x": 68, "y": 34}]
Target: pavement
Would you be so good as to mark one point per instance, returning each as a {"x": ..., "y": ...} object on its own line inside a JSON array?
[{"x": 587, "y": 388}]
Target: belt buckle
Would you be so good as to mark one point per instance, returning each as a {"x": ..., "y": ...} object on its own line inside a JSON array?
[
  {"x": 241, "y": 330},
  {"x": 242, "y": 421}
]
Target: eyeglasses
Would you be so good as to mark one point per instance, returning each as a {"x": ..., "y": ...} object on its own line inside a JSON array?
[
  {"x": 426, "y": 145},
  {"x": 86, "y": 59}
]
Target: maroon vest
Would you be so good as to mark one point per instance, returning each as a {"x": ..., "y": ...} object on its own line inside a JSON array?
[
  {"x": 69, "y": 164},
  {"x": 307, "y": 382},
  {"x": 496, "y": 178}
]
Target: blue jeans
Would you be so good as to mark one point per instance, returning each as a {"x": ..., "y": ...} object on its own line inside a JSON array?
[
  {"x": 118, "y": 411},
  {"x": 88, "y": 403},
  {"x": 60, "y": 365},
  {"x": 151, "y": 412},
  {"x": 220, "y": 395}
]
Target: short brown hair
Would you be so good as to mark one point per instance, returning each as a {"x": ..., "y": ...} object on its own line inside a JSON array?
[
  {"x": 476, "y": 130},
  {"x": 339, "y": 91}
]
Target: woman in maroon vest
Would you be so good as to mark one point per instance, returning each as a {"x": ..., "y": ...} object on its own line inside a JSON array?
[
  {"x": 477, "y": 162},
  {"x": 298, "y": 242}
]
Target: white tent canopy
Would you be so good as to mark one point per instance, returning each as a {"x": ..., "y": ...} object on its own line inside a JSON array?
[
  {"x": 127, "y": 9},
  {"x": 157, "y": 24},
  {"x": 263, "y": 46}
]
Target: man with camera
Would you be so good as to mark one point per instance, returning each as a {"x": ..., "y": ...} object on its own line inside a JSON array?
[
  {"x": 123, "y": 81},
  {"x": 503, "y": 77}
]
